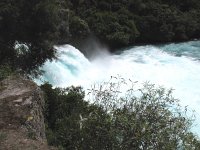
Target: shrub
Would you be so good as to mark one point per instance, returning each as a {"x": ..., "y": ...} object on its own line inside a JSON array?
[{"x": 140, "y": 118}]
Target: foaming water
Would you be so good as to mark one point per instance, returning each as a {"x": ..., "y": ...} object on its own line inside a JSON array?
[{"x": 174, "y": 66}]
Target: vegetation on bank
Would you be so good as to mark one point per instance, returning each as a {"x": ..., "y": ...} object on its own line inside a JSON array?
[
  {"x": 126, "y": 22},
  {"x": 145, "y": 118}
]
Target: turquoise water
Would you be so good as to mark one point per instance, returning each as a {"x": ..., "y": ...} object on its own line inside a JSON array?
[
  {"x": 173, "y": 65},
  {"x": 190, "y": 49}
]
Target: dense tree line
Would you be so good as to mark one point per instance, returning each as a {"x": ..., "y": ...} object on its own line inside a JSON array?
[
  {"x": 126, "y": 22},
  {"x": 153, "y": 120}
]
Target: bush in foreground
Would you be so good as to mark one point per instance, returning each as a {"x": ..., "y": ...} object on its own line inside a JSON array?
[{"x": 143, "y": 118}]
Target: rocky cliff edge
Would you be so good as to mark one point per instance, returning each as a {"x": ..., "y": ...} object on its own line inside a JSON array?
[{"x": 21, "y": 115}]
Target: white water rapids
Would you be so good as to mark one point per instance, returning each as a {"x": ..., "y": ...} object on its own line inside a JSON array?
[{"x": 174, "y": 66}]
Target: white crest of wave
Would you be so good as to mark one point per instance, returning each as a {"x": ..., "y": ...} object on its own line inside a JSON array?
[{"x": 143, "y": 63}]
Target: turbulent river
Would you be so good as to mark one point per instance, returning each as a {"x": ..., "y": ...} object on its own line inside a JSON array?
[{"x": 172, "y": 65}]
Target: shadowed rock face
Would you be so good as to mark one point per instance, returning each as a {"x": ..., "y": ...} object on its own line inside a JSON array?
[{"x": 21, "y": 115}]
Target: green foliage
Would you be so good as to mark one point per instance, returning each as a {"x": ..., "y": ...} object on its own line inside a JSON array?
[
  {"x": 119, "y": 37},
  {"x": 141, "y": 118},
  {"x": 122, "y": 23},
  {"x": 79, "y": 27},
  {"x": 63, "y": 110},
  {"x": 114, "y": 28},
  {"x": 147, "y": 121},
  {"x": 30, "y": 23}
]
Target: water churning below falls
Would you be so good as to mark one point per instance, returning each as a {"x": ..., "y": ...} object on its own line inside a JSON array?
[{"x": 174, "y": 66}]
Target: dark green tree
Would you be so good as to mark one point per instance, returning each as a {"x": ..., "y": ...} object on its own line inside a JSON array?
[
  {"x": 122, "y": 23},
  {"x": 28, "y": 32}
]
